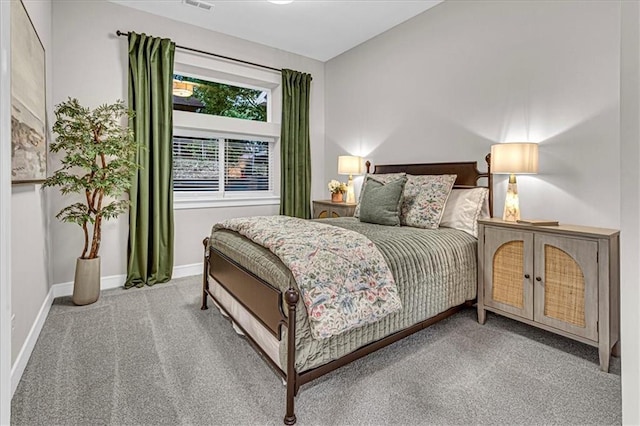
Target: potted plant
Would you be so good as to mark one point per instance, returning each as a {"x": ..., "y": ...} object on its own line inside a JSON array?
[
  {"x": 337, "y": 189},
  {"x": 98, "y": 164}
]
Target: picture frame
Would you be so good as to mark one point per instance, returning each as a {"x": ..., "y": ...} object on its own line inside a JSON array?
[{"x": 28, "y": 100}]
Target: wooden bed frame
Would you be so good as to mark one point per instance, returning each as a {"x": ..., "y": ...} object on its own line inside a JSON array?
[{"x": 265, "y": 301}]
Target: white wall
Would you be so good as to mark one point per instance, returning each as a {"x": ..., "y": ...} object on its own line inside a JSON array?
[
  {"x": 449, "y": 83},
  {"x": 5, "y": 215},
  {"x": 630, "y": 209},
  {"x": 29, "y": 217},
  {"x": 462, "y": 76},
  {"x": 91, "y": 64}
]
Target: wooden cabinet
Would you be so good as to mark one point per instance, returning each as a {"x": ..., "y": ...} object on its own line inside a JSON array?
[
  {"x": 564, "y": 279},
  {"x": 326, "y": 208}
]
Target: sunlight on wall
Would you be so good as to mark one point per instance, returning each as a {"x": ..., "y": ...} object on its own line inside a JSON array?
[{"x": 522, "y": 124}]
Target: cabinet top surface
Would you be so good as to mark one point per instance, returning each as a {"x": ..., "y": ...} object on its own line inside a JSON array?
[
  {"x": 560, "y": 229},
  {"x": 341, "y": 203}
]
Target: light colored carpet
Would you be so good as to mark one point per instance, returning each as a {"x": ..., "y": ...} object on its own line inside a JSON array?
[{"x": 150, "y": 356}]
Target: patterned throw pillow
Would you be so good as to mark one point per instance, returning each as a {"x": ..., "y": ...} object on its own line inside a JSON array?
[
  {"x": 382, "y": 178},
  {"x": 424, "y": 200}
]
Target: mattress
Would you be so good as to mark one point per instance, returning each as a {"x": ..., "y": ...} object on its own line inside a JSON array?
[{"x": 434, "y": 269}]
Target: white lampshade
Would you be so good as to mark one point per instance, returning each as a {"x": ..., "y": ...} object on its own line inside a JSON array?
[
  {"x": 349, "y": 165},
  {"x": 514, "y": 158}
]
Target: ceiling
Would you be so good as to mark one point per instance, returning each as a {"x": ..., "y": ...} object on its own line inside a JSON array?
[{"x": 317, "y": 29}]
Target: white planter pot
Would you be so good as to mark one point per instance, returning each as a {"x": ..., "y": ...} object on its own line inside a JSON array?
[{"x": 86, "y": 286}]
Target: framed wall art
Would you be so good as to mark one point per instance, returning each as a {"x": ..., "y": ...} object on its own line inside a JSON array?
[{"x": 28, "y": 100}]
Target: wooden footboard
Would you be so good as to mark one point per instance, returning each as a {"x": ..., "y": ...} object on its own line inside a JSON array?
[{"x": 258, "y": 297}]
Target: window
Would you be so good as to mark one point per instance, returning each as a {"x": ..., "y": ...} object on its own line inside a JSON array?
[
  {"x": 221, "y": 165},
  {"x": 215, "y": 98},
  {"x": 224, "y": 137},
  {"x": 247, "y": 165},
  {"x": 195, "y": 164}
]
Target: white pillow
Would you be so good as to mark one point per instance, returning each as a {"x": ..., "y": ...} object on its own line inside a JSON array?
[{"x": 463, "y": 209}]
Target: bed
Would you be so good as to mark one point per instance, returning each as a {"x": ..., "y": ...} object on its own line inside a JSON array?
[{"x": 436, "y": 273}]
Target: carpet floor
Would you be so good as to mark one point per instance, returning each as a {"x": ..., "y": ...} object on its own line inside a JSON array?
[{"x": 151, "y": 357}]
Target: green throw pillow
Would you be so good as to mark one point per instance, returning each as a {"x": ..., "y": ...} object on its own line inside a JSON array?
[{"x": 380, "y": 202}]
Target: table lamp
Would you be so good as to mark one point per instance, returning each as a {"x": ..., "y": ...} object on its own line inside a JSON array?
[
  {"x": 513, "y": 158},
  {"x": 350, "y": 165}
]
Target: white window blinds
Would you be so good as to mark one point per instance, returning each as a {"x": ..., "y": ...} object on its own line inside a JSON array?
[{"x": 245, "y": 166}]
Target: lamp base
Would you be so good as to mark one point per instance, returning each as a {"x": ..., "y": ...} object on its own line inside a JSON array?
[
  {"x": 511, "y": 203},
  {"x": 351, "y": 195}
]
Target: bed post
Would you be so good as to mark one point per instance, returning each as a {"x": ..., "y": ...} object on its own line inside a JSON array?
[
  {"x": 490, "y": 184},
  {"x": 205, "y": 273},
  {"x": 291, "y": 297}
]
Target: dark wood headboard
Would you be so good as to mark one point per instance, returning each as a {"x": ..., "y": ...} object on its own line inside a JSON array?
[{"x": 467, "y": 173}]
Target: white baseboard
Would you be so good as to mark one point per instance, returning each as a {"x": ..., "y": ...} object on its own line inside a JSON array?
[
  {"x": 115, "y": 281},
  {"x": 106, "y": 283},
  {"x": 66, "y": 289},
  {"x": 187, "y": 270},
  {"x": 25, "y": 352}
]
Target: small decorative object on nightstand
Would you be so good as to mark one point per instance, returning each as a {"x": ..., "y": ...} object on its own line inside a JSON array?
[
  {"x": 323, "y": 209},
  {"x": 337, "y": 190},
  {"x": 562, "y": 278}
]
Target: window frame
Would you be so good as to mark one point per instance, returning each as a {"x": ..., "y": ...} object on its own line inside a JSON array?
[{"x": 199, "y": 125}]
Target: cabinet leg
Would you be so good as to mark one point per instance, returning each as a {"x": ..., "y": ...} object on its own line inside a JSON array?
[
  {"x": 605, "y": 356},
  {"x": 482, "y": 315},
  {"x": 616, "y": 349}
]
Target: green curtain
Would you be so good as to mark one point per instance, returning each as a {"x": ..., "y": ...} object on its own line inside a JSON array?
[
  {"x": 295, "y": 151},
  {"x": 150, "y": 254}
]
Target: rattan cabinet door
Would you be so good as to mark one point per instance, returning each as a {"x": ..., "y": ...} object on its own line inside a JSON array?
[
  {"x": 508, "y": 271},
  {"x": 566, "y": 284}
]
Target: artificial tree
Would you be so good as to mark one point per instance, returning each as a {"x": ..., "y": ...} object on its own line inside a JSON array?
[{"x": 98, "y": 164}]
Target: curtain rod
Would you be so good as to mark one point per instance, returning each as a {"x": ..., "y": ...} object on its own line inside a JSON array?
[{"x": 121, "y": 33}]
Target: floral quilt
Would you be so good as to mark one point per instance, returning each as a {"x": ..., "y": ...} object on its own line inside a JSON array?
[{"x": 343, "y": 279}]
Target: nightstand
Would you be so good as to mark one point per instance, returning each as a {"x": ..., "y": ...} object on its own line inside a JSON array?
[
  {"x": 564, "y": 279},
  {"x": 323, "y": 209}
]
